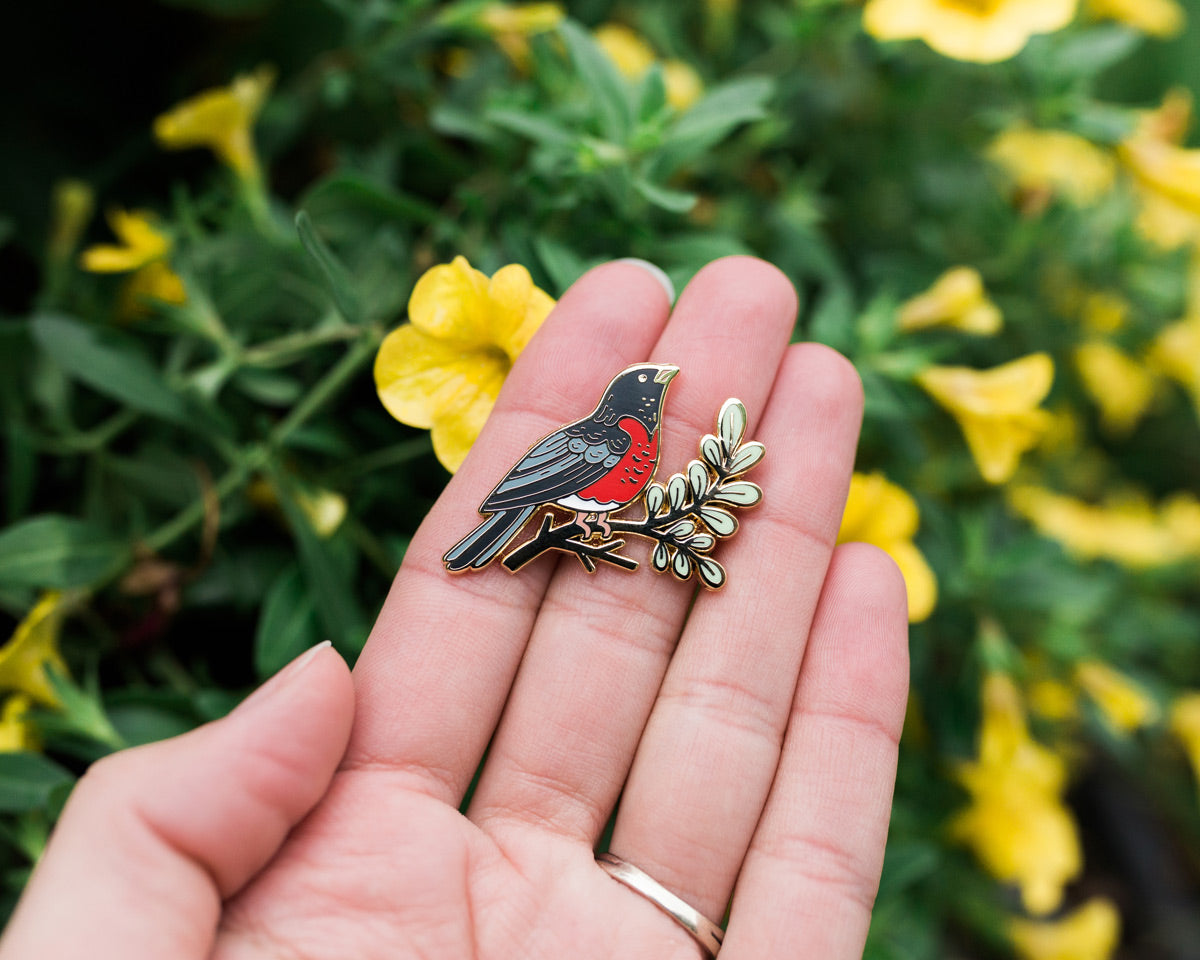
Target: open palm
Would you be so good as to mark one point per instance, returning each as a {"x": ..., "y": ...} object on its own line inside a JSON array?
[{"x": 750, "y": 737}]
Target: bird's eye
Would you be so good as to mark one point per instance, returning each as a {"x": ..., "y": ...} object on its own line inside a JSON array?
[{"x": 642, "y": 378}]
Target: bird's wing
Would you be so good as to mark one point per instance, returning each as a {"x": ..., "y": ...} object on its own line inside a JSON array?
[{"x": 563, "y": 463}]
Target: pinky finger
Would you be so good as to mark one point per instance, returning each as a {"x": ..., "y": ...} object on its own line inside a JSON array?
[{"x": 809, "y": 879}]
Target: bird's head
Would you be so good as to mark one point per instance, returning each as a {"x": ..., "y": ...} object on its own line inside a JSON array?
[{"x": 638, "y": 391}]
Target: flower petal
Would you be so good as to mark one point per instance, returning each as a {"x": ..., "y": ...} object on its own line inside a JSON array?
[
  {"x": 421, "y": 379},
  {"x": 919, "y": 579},
  {"x": 1013, "y": 387},
  {"x": 996, "y": 443},
  {"x": 456, "y": 430},
  {"x": 450, "y": 302},
  {"x": 518, "y": 308}
]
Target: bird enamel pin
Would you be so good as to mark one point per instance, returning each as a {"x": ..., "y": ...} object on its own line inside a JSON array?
[{"x": 602, "y": 465}]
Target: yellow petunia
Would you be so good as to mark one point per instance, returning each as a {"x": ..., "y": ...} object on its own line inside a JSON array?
[
  {"x": 1175, "y": 353},
  {"x": 633, "y": 56},
  {"x": 443, "y": 370},
  {"x": 1165, "y": 174},
  {"x": 1128, "y": 531},
  {"x": 1104, "y": 312},
  {"x": 881, "y": 513},
  {"x": 1159, "y": 18},
  {"x": 141, "y": 243},
  {"x": 511, "y": 26},
  {"x": 1047, "y": 163},
  {"x": 71, "y": 209},
  {"x": 221, "y": 119},
  {"x": 325, "y": 509},
  {"x": 16, "y": 733},
  {"x": 1089, "y": 933},
  {"x": 1017, "y": 824},
  {"x": 982, "y": 31},
  {"x": 957, "y": 300},
  {"x": 33, "y": 649},
  {"x": 142, "y": 253},
  {"x": 1185, "y": 725},
  {"x": 1053, "y": 699},
  {"x": 1124, "y": 705},
  {"x": 1120, "y": 387},
  {"x": 997, "y": 409}
]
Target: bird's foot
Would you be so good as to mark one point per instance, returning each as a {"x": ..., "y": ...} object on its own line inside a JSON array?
[
  {"x": 592, "y": 528},
  {"x": 602, "y": 523}
]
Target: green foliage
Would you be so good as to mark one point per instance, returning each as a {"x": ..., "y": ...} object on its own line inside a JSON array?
[{"x": 166, "y": 461}]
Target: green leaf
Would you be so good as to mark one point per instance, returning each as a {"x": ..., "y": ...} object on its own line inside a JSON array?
[
  {"x": 561, "y": 262},
  {"x": 713, "y": 118},
  {"x": 675, "y": 201},
  {"x": 609, "y": 92},
  {"x": 28, "y": 781},
  {"x": 288, "y": 625},
  {"x": 110, "y": 364},
  {"x": 327, "y": 581},
  {"x": 57, "y": 552},
  {"x": 337, "y": 279},
  {"x": 530, "y": 125}
]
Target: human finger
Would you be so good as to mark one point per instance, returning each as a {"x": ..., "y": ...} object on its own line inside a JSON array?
[
  {"x": 709, "y": 752},
  {"x": 437, "y": 668},
  {"x": 154, "y": 838},
  {"x": 562, "y": 751},
  {"x": 810, "y": 877}
]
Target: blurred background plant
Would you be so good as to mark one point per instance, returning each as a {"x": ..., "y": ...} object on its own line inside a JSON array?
[{"x": 991, "y": 207}]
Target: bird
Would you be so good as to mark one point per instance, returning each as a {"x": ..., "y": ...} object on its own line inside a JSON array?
[{"x": 594, "y": 466}]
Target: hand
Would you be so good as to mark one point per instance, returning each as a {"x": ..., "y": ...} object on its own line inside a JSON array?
[{"x": 752, "y": 743}]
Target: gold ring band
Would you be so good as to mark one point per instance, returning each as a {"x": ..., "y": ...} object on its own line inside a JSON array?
[{"x": 703, "y": 931}]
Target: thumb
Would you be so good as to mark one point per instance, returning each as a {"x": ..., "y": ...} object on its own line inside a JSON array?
[{"x": 154, "y": 838}]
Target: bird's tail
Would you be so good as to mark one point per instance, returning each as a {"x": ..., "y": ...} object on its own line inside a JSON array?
[{"x": 479, "y": 546}]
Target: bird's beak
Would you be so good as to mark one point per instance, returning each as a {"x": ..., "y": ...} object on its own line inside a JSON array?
[{"x": 665, "y": 374}]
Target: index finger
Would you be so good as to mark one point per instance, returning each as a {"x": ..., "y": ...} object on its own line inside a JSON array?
[{"x": 436, "y": 670}]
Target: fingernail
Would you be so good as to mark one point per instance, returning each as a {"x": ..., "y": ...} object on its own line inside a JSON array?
[
  {"x": 279, "y": 681},
  {"x": 656, "y": 272}
]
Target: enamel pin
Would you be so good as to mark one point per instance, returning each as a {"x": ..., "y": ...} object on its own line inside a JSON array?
[{"x": 602, "y": 465}]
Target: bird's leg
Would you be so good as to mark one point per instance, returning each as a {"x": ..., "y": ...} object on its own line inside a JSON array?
[
  {"x": 602, "y": 523},
  {"x": 581, "y": 520}
]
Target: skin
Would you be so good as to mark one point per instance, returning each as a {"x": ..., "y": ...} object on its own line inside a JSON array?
[{"x": 752, "y": 746}]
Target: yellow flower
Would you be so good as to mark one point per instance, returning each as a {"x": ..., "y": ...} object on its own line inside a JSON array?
[
  {"x": 1053, "y": 162},
  {"x": 633, "y": 56},
  {"x": 997, "y": 409},
  {"x": 1176, "y": 353},
  {"x": 143, "y": 251},
  {"x": 34, "y": 647},
  {"x": 683, "y": 84},
  {"x": 325, "y": 509},
  {"x": 1017, "y": 824},
  {"x": 512, "y": 26},
  {"x": 1185, "y": 724},
  {"x": 1120, "y": 386},
  {"x": 957, "y": 300},
  {"x": 1123, "y": 704},
  {"x": 141, "y": 243},
  {"x": 70, "y": 212},
  {"x": 983, "y": 31},
  {"x": 220, "y": 119},
  {"x": 1128, "y": 531},
  {"x": 1159, "y": 18},
  {"x": 16, "y": 734},
  {"x": 1089, "y": 933},
  {"x": 443, "y": 370},
  {"x": 1165, "y": 174},
  {"x": 1105, "y": 312},
  {"x": 1053, "y": 699},
  {"x": 884, "y": 514}
]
